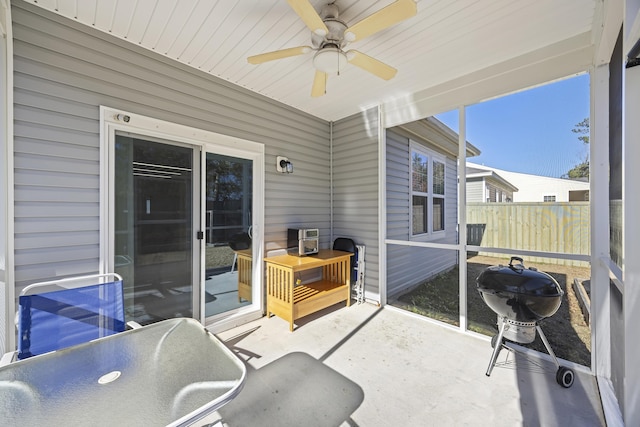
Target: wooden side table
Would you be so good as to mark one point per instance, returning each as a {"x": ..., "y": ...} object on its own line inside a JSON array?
[
  {"x": 245, "y": 271},
  {"x": 291, "y": 301}
]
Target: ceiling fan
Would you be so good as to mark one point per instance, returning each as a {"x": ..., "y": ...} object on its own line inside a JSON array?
[{"x": 330, "y": 35}]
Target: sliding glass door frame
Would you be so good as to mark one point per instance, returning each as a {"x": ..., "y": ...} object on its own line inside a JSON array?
[
  {"x": 254, "y": 310},
  {"x": 114, "y": 120}
]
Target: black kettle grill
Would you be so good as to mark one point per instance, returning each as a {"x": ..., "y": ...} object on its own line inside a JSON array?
[{"x": 521, "y": 297}]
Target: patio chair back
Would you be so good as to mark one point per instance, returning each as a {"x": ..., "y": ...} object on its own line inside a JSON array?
[
  {"x": 240, "y": 241},
  {"x": 58, "y": 314},
  {"x": 347, "y": 245}
]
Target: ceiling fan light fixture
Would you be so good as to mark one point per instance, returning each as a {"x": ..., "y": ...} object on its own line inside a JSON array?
[{"x": 330, "y": 60}]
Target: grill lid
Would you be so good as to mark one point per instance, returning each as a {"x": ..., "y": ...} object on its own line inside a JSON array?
[
  {"x": 518, "y": 293},
  {"x": 517, "y": 279}
]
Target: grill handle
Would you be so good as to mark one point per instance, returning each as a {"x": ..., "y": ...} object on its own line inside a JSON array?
[{"x": 520, "y": 260}]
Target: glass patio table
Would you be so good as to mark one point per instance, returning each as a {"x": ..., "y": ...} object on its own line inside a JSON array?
[{"x": 171, "y": 373}]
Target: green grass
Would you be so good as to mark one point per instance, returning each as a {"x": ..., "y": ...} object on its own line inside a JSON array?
[{"x": 438, "y": 298}]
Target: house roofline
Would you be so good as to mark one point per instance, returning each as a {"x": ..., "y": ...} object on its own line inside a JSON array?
[{"x": 494, "y": 176}]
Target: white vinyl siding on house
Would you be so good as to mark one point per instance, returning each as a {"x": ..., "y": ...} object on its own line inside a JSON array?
[
  {"x": 64, "y": 71},
  {"x": 406, "y": 265},
  {"x": 475, "y": 190},
  {"x": 532, "y": 188}
]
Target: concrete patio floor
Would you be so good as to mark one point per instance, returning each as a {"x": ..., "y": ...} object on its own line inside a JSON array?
[{"x": 367, "y": 366}]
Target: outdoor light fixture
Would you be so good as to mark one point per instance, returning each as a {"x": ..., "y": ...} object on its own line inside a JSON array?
[{"x": 283, "y": 165}]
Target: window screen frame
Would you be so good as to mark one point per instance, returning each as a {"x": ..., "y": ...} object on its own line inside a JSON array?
[{"x": 432, "y": 157}]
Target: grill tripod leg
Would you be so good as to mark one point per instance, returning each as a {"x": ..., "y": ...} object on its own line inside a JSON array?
[
  {"x": 564, "y": 375},
  {"x": 496, "y": 348},
  {"x": 547, "y": 346}
]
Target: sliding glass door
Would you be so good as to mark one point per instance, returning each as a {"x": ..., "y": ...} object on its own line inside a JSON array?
[
  {"x": 228, "y": 247},
  {"x": 183, "y": 229},
  {"x": 154, "y": 217},
  {"x": 183, "y": 214}
]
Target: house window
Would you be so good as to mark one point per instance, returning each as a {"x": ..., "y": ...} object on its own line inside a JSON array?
[
  {"x": 438, "y": 195},
  {"x": 549, "y": 198},
  {"x": 427, "y": 191},
  {"x": 420, "y": 225},
  {"x": 420, "y": 190}
]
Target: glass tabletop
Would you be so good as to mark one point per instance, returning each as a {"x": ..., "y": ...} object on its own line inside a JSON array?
[{"x": 172, "y": 372}]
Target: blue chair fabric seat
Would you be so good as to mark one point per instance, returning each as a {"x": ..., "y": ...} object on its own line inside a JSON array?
[{"x": 58, "y": 319}]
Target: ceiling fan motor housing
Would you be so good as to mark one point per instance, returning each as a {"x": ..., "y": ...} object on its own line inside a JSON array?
[
  {"x": 335, "y": 36},
  {"x": 330, "y": 11}
]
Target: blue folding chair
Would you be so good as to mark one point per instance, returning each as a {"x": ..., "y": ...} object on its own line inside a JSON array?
[{"x": 61, "y": 313}]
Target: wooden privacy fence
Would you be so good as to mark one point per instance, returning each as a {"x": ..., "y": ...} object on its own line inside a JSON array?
[{"x": 546, "y": 227}]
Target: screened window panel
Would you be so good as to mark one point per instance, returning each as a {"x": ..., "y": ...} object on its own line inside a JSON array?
[
  {"x": 420, "y": 172},
  {"x": 420, "y": 215},
  {"x": 438, "y": 178},
  {"x": 438, "y": 214}
]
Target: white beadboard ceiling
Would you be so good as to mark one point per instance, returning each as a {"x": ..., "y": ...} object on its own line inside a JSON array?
[{"x": 448, "y": 39}]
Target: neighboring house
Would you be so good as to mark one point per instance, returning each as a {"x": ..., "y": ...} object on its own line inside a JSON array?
[
  {"x": 487, "y": 186},
  {"x": 536, "y": 188}
]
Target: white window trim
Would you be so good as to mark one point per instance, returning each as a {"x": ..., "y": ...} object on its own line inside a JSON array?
[{"x": 432, "y": 156}]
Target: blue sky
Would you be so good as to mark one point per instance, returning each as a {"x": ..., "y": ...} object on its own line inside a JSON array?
[{"x": 529, "y": 131}]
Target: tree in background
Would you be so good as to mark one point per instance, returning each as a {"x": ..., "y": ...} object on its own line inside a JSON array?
[{"x": 581, "y": 170}]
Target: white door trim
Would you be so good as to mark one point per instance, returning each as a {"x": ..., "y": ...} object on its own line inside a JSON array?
[{"x": 112, "y": 120}]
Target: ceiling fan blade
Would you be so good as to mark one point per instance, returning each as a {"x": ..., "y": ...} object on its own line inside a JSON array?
[
  {"x": 278, "y": 54},
  {"x": 384, "y": 18},
  {"x": 371, "y": 65},
  {"x": 319, "y": 84},
  {"x": 309, "y": 16}
]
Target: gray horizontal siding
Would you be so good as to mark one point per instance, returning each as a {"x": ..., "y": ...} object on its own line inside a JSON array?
[
  {"x": 398, "y": 209},
  {"x": 355, "y": 187},
  {"x": 64, "y": 71},
  {"x": 408, "y": 266},
  {"x": 451, "y": 201}
]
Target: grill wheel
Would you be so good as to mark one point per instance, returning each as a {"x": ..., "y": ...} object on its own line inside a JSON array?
[{"x": 565, "y": 377}]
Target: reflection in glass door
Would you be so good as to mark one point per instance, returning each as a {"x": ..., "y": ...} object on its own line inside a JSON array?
[
  {"x": 154, "y": 234},
  {"x": 228, "y": 256}
]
